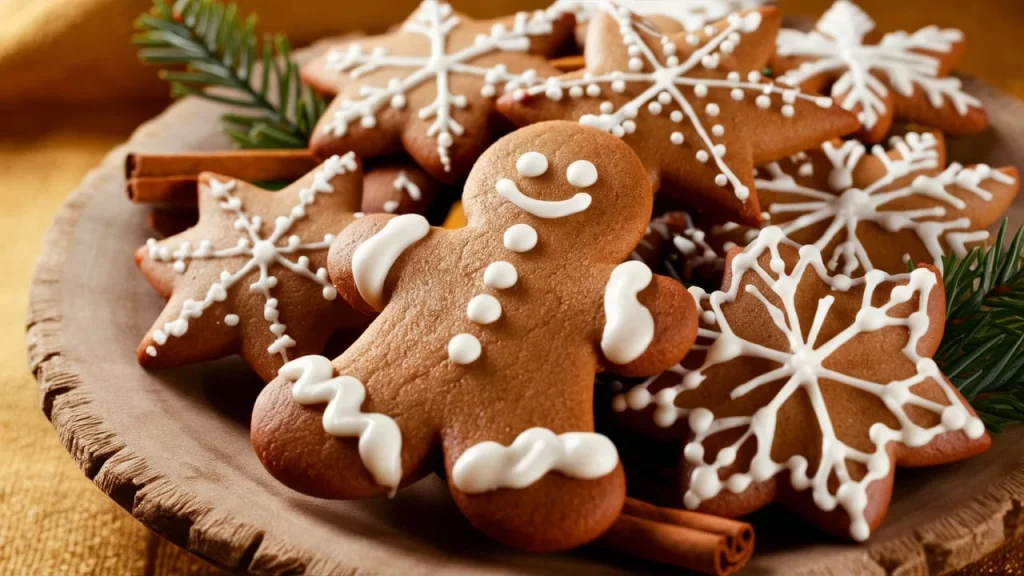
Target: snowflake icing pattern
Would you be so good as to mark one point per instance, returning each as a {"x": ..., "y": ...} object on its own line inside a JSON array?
[
  {"x": 915, "y": 153},
  {"x": 837, "y": 47},
  {"x": 435, "y": 21},
  {"x": 800, "y": 368},
  {"x": 262, "y": 254},
  {"x": 666, "y": 80},
  {"x": 692, "y": 15}
]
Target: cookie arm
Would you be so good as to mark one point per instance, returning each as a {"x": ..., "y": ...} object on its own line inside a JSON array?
[
  {"x": 362, "y": 256},
  {"x": 650, "y": 321}
]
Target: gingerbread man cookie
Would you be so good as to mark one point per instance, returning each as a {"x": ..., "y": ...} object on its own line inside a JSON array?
[
  {"x": 251, "y": 276},
  {"x": 900, "y": 76},
  {"x": 692, "y": 105},
  {"x": 487, "y": 341},
  {"x": 809, "y": 389},
  {"x": 429, "y": 88},
  {"x": 868, "y": 209}
]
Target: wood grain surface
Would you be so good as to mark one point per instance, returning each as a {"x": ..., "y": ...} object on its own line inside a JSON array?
[{"x": 173, "y": 447}]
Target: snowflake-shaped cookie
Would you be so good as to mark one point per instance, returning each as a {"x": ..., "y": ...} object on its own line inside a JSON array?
[
  {"x": 904, "y": 75},
  {"x": 810, "y": 388},
  {"x": 692, "y": 105},
  {"x": 250, "y": 276},
  {"x": 429, "y": 87},
  {"x": 869, "y": 209},
  {"x": 691, "y": 15},
  {"x": 674, "y": 245}
]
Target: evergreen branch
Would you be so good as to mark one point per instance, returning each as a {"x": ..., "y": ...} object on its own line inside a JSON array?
[
  {"x": 212, "y": 47},
  {"x": 982, "y": 351}
]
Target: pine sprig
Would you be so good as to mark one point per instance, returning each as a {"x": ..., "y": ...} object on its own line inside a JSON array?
[
  {"x": 982, "y": 351},
  {"x": 205, "y": 44}
]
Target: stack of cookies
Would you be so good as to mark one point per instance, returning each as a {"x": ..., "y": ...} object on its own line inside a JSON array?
[{"x": 740, "y": 228}]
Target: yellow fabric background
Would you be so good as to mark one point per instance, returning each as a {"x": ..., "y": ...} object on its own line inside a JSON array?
[{"x": 56, "y": 52}]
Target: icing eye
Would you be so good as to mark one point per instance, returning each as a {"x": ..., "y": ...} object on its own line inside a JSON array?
[
  {"x": 581, "y": 174},
  {"x": 532, "y": 164}
]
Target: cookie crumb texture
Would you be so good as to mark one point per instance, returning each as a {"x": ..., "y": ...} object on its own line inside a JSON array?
[{"x": 486, "y": 343}]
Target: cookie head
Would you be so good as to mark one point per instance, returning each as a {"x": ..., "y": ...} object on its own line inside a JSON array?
[{"x": 552, "y": 171}]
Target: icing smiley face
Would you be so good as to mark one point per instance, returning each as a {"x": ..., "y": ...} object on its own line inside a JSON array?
[{"x": 487, "y": 339}]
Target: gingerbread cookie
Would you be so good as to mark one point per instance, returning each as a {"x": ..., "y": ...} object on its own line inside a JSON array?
[
  {"x": 903, "y": 76},
  {"x": 692, "y": 105},
  {"x": 876, "y": 209},
  {"x": 809, "y": 389},
  {"x": 429, "y": 88},
  {"x": 398, "y": 187},
  {"x": 486, "y": 345},
  {"x": 675, "y": 246},
  {"x": 251, "y": 276}
]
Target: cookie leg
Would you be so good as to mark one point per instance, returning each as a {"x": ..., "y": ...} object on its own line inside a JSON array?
[
  {"x": 554, "y": 512},
  {"x": 291, "y": 442}
]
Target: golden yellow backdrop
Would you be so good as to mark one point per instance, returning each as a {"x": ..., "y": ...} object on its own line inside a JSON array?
[{"x": 56, "y": 54}]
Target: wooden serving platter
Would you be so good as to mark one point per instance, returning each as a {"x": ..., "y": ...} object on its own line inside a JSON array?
[{"x": 173, "y": 447}]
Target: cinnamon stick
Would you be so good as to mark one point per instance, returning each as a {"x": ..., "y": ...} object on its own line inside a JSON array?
[
  {"x": 568, "y": 63},
  {"x": 170, "y": 222},
  {"x": 166, "y": 190},
  {"x": 249, "y": 165},
  {"x": 690, "y": 540}
]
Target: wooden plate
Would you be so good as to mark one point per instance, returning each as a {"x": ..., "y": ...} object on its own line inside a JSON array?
[{"x": 173, "y": 448}]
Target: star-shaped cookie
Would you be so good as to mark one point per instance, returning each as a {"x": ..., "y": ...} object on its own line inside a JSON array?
[
  {"x": 250, "y": 277},
  {"x": 900, "y": 76},
  {"x": 872, "y": 208},
  {"x": 809, "y": 389},
  {"x": 692, "y": 105},
  {"x": 430, "y": 86}
]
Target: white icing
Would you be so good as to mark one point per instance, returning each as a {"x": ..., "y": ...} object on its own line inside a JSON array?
[
  {"x": 693, "y": 15},
  {"x": 629, "y": 325},
  {"x": 255, "y": 253},
  {"x": 543, "y": 208},
  {"x": 489, "y": 466},
  {"x": 532, "y": 164},
  {"x": 500, "y": 275},
  {"x": 374, "y": 258},
  {"x": 403, "y": 183},
  {"x": 800, "y": 367},
  {"x": 390, "y": 206},
  {"x": 483, "y": 309},
  {"x": 845, "y": 207},
  {"x": 435, "y": 21},
  {"x": 464, "y": 349},
  {"x": 151, "y": 351},
  {"x": 380, "y": 440},
  {"x": 674, "y": 86},
  {"x": 837, "y": 47},
  {"x": 581, "y": 174},
  {"x": 520, "y": 238}
]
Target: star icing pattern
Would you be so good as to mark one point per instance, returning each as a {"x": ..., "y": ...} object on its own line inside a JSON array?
[
  {"x": 920, "y": 406},
  {"x": 255, "y": 252},
  {"x": 868, "y": 208},
  {"x": 697, "y": 84},
  {"x": 863, "y": 74},
  {"x": 435, "y": 21}
]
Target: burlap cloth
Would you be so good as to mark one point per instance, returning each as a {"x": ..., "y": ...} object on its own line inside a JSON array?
[{"x": 52, "y": 519}]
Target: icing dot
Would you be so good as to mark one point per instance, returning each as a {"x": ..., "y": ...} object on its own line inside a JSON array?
[
  {"x": 607, "y": 107},
  {"x": 677, "y": 137},
  {"x": 676, "y": 116},
  {"x": 788, "y": 111},
  {"x": 718, "y": 130},
  {"x": 700, "y": 90},
  {"x": 464, "y": 349},
  {"x": 231, "y": 319},
  {"x": 532, "y": 164},
  {"x": 151, "y": 351},
  {"x": 178, "y": 266},
  {"x": 763, "y": 101},
  {"x": 721, "y": 180},
  {"x": 390, "y": 206},
  {"x": 581, "y": 174},
  {"x": 712, "y": 109},
  {"x": 500, "y": 275},
  {"x": 702, "y": 156},
  {"x": 483, "y": 309},
  {"x": 520, "y": 238}
]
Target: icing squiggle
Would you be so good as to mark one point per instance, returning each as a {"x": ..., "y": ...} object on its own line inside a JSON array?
[
  {"x": 380, "y": 440},
  {"x": 629, "y": 325},
  {"x": 543, "y": 208},
  {"x": 374, "y": 258},
  {"x": 489, "y": 466}
]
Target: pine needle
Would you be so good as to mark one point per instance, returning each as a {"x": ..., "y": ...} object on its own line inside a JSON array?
[
  {"x": 205, "y": 49},
  {"x": 982, "y": 351}
]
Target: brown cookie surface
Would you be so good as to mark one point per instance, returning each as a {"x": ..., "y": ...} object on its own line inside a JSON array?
[
  {"x": 486, "y": 343},
  {"x": 809, "y": 389},
  {"x": 251, "y": 276},
  {"x": 901, "y": 75},
  {"x": 692, "y": 105},
  {"x": 429, "y": 87}
]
